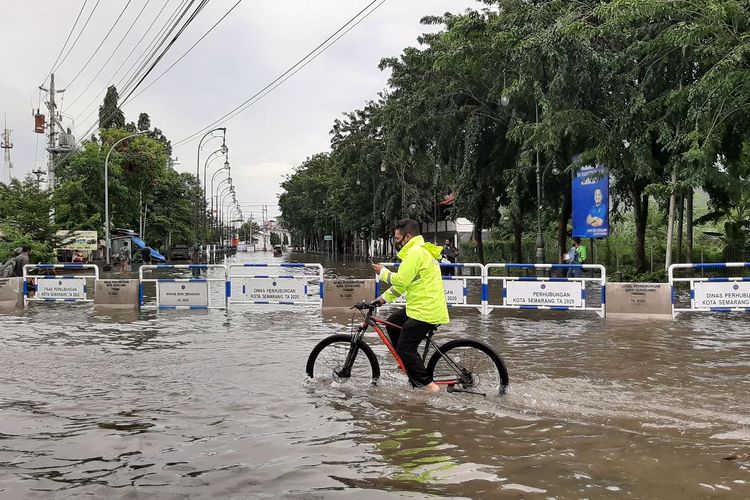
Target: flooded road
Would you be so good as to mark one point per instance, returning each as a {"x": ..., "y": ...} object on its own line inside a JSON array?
[{"x": 212, "y": 404}]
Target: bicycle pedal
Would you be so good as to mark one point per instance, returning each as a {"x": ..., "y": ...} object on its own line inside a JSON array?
[{"x": 452, "y": 389}]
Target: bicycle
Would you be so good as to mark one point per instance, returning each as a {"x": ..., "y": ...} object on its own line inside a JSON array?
[{"x": 462, "y": 365}]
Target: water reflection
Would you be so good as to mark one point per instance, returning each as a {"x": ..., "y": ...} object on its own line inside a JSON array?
[{"x": 113, "y": 403}]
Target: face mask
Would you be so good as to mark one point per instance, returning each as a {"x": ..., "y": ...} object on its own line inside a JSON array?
[{"x": 400, "y": 243}]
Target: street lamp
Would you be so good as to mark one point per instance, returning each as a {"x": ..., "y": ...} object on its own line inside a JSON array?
[
  {"x": 223, "y": 150},
  {"x": 211, "y": 193},
  {"x": 505, "y": 101},
  {"x": 198, "y": 167},
  {"x": 220, "y": 199},
  {"x": 106, "y": 194}
]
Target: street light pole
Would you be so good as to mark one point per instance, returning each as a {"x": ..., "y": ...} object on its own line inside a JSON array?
[
  {"x": 198, "y": 172},
  {"x": 106, "y": 193},
  {"x": 539, "y": 235},
  {"x": 211, "y": 193},
  {"x": 223, "y": 150}
]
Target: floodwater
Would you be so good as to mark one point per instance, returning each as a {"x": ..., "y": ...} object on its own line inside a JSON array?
[{"x": 202, "y": 404}]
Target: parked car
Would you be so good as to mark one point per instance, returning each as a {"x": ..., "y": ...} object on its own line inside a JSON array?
[
  {"x": 179, "y": 252},
  {"x": 277, "y": 251}
]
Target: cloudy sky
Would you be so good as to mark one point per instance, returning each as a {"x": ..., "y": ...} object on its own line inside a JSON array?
[{"x": 257, "y": 42}]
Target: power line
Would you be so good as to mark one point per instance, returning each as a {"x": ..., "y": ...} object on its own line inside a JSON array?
[
  {"x": 66, "y": 40},
  {"x": 77, "y": 37},
  {"x": 164, "y": 38},
  {"x": 170, "y": 25},
  {"x": 309, "y": 57},
  {"x": 154, "y": 48},
  {"x": 169, "y": 46},
  {"x": 187, "y": 51},
  {"x": 70, "y": 82},
  {"x": 112, "y": 54},
  {"x": 131, "y": 53}
]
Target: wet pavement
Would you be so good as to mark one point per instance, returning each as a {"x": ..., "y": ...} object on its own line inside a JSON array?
[{"x": 199, "y": 404}]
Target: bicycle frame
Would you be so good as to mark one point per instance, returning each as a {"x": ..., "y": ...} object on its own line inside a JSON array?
[{"x": 377, "y": 324}]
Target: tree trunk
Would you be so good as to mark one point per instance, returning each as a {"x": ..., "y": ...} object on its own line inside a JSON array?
[
  {"x": 689, "y": 200},
  {"x": 517, "y": 243},
  {"x": 670, "y": 221},
  {"x": 562, "y": 227},
  {"x": 478, "y": 238},
  {"x": 640, "y": 211},
  {"x": 680, "y": 224}
]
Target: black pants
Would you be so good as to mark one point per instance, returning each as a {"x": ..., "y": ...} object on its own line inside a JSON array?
[{"x": 406, "y": 341}]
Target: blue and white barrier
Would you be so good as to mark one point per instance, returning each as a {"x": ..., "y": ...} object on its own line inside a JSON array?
[
  {"x": 456, "y": 287},
  {"x": 59, "y": 288},
  {"x": 544, "y": 292},
  {"x": 185, "y": 293},
  {"x": 283, "y": 283},
  {"x": 713, "y": 294}
]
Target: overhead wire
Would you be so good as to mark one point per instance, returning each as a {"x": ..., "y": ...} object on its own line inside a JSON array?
[
  {"x": 291, "y": 71},
  {"x": 127, "y": 58},
  {"x": 93, "y": 79},
  {"x": 159, "y": 39},
  {"x": 166, "y": 49},
  {"x": 186, "y": 52},
  {"x": 174, "y": 25},
  {"x": 109, "y": 32},
  {"x": 67, "y": 39},
  {"x": 155, "y": 48}
]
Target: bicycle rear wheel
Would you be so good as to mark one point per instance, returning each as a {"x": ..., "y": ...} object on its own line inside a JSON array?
[
  {"x": 469, "y": 365},
  {"x": 327, "y": 361}
]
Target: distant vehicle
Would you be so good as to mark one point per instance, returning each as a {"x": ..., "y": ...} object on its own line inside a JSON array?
[
  {"x": 277, "y": 251},
  {"x": 179, "y": 252}
]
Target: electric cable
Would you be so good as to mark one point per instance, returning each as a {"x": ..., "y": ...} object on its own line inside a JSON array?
[
  {"x": 135, "y": 47},
  {"x": 111, "y": 55},
  {"x": 186, "y": 52},
  {"x": 70, "y": 33},
  {"x": 70, "y": 82},
  {"x": 290, "y": 71}
]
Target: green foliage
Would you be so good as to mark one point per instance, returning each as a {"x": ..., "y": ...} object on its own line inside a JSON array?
[
  {"x": 24, "y": 220},
  {"x": 110, "y": 115}
]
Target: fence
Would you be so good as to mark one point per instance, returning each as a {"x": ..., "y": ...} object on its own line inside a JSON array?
[
  {"x": 184, "y": 293},
  {"x": 299, "y": 284},
  {"x": 456, "y": 286},
  {"x": 55, "y": 288},
  {"x": 556, "y": 293},
  {"x": 714, "y": 293}
]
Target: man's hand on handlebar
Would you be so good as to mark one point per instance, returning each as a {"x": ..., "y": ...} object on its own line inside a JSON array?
[{"x": 369, "y": 305}]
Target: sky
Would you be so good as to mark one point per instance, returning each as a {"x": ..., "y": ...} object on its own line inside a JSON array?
[{"x": 258, "y": 41}]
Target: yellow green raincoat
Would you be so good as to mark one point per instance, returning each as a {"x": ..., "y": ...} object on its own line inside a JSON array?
[{"x": 418, "y": 278}]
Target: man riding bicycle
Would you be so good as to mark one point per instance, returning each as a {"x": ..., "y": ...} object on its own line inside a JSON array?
[{"x": 420, "y": 280}]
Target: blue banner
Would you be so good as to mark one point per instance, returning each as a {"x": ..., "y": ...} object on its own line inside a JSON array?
[{"x": 591, "y": 202}]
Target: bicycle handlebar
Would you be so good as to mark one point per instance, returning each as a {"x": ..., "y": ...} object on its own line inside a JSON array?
[{"x": 364, "y": 305}]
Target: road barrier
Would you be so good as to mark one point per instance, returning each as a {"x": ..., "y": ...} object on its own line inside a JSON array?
[
  {"x": 185, "y": 293},
  {"x": 290, "y": 284},
  {"x": 58, "y": 288},
  {"x": 456, "y": 286},
  {"x": 544, "y": 292},
  {"x": 712, "y": 294}
]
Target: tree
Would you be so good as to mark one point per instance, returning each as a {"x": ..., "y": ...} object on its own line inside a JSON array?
[
  {"x": 144, "y": 122},
  {"x": 110, "y": 115},
  {"x": 25, "y": 220}
]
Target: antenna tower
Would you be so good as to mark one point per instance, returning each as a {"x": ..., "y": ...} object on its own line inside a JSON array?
[{"x": 7, "y": 144}]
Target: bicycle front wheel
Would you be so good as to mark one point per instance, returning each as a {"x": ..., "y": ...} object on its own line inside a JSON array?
[
  {"x": 469, "y": 365},
  {"x": 328, "y": 361}
]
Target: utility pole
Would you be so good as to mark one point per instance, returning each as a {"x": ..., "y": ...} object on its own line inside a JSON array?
[
  {"x": 7, "y": 145},
  {"x": 66, "y": 144},
  {"x": 264, "y": 208}
]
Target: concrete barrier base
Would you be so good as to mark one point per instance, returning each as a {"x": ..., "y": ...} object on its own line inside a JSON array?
[
  {"x": 639, "y": 301},
  {"x": 116, "y": 293},
  {"x": 11, "y": 293},
  {"x": 343, "y": 293}
]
